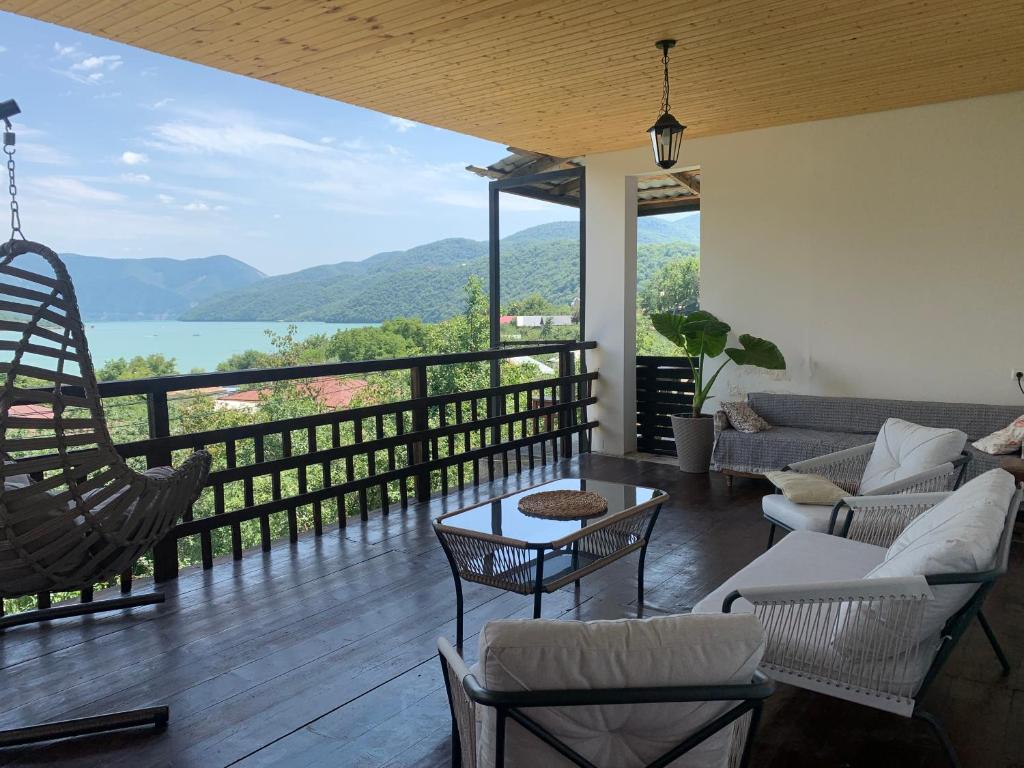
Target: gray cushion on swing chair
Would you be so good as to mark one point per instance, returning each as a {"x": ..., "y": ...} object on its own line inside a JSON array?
[{"x": 56, "y": 530}]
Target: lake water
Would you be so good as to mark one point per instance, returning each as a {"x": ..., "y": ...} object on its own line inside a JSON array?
[{"x": 193, "y": 345}]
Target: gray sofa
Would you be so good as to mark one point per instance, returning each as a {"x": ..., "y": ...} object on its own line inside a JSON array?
[{"x": 805, "y": 426}]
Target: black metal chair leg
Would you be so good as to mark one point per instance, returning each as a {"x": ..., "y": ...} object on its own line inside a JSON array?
[
  {"x": 941, "y": 734},
  {"x": 771, "y": 536},
  {"x": 456, "y": 745},
  {"x": 994, "y": 642}
]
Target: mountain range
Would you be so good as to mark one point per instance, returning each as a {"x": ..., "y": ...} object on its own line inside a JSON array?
[
  {"x": 152, "y": 289},
  {"x": 426, "y": 281}
]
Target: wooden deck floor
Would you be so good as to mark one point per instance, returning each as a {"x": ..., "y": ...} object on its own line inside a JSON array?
[{"x": 322, "y": 654}]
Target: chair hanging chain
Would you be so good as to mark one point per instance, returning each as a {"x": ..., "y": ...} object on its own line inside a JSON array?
[{"x": 9, "y": 149}]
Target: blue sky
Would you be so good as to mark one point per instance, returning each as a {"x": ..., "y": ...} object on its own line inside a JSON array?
[{"x": 125, "y": 153}]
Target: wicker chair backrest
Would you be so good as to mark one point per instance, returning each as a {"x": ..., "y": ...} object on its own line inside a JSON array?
[{"x": 85, "y": 515}]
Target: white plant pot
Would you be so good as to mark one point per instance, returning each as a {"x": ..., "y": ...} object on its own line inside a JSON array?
[{"x": 695, "y": 438}]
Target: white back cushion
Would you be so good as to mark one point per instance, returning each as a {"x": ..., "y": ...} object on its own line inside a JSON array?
[
  {"x": 903, "y": 448},
  {"x": 961, "y": 534},
  {"x": 958, "y": 535},
  {"x": 668, "y": 650}
]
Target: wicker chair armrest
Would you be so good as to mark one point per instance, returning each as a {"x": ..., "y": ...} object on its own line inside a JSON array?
[
  {"x": 840, "y": 591},
  {"x": 888, "y": 500},
  {"x": 452, "y": 658},
  {"x": 463, "y": 710},
  {"x": 936, "y": 479},
  {"x": 844, "y": 468},
  {"x": 836, "y": 457},
  {"x": 857, "y": 640},
  {"x": 880, "y": 519}
]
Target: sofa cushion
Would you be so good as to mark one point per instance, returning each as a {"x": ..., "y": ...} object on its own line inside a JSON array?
[
  {"x": 775, "y": 448},
  {"x": 1002, "y": 441},
  {"x": 668, "y": 650},
  {"x": 743, "y": 418},
  {"x": 903, "y": 449},
  {"x": 797, "y": 517},
  {"x": 802, "y": 557},
  {"x": 961, "y": 534},
  {"x": 806, "y": 487}
]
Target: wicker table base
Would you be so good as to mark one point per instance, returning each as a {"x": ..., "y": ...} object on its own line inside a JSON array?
[{"x": 497, "y": 544}]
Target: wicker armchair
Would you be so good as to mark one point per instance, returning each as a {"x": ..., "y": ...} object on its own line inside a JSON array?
[
  {"x": 873, "y": 468},
  {"x": 566, "y": 693},
  {"x": 72, "y": 512},
  {"x": 834, "y": 627}
]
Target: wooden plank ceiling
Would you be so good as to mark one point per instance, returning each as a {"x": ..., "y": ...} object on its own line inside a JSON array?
[{"x": 570, "y": 77}]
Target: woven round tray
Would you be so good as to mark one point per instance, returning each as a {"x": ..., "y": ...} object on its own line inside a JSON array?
[{"x": 563, "y": 505}]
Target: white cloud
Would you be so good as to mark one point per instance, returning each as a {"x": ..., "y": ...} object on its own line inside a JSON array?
[
  {"x": 227, "y": 135},
  {"x": 134, "y": 158},
  {"x": 3, "y": 49},
  {"x": 90, "y": 63},
  {"x": 196, "y": 206},
  {"x": 327, "y": 139},
  {"x": 165, "y": 199},
  {"x": 67, "y": 189},
  {"x": 84, "y": 68},
  {"x": 136, "y": 178},
  {"x": 400, "y": 124},
  {"x": 161, "y": 103},
  {"x": 35, "y": 152}
]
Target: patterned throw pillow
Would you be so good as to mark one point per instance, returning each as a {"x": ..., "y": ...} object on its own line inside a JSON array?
[
  {"x": 743, "y": 418},
  {"x": 1006, "y": 440}
]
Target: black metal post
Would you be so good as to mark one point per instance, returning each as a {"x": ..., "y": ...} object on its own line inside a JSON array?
[
  {"x": 494, "y": 406},
  {"x": 420, "y": 423},
  {"x": 165, "y": 551},
  {"x": 565, "y": 413}
]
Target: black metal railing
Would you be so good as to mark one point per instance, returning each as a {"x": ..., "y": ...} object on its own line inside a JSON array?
[
  {"x": 329, "y": 467},
  {"x": 664, "y": 386}
]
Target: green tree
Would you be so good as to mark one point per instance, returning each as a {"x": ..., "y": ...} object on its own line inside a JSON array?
[
  {"x": 369, "y": 344},
  {"x": 137, "y": 367},
  {"x": 675, "y": 287}
]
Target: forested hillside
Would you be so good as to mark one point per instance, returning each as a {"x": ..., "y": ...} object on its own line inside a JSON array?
[
  {"x": 427, "y": 281},
  {"x": 151, "y": 289}
]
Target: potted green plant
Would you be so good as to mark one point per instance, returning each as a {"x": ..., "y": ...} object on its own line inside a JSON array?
[{"x": 701, "y": 336}]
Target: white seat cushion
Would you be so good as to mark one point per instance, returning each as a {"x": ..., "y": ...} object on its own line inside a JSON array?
[
  {"x": 668, "y": 650},
  {"x": 797, "y": 517},
  {"x": 802, "y": 557},
  {"x": 903, "y": 448},
  {"x": 960, "y": 534}
]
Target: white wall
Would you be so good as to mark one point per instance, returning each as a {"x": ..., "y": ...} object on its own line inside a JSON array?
[
  {"x": 883, "y": 253},
  {"x": 611, "y": 302}
]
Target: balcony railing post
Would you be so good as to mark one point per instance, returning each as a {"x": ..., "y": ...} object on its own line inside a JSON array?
[
  {"x": 165, "y": 551},
  {"x": 566, "y": 413},
  {"x": 420, "y": 423}
]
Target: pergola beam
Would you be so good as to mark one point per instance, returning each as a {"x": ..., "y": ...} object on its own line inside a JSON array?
[{"x": 688, "y": 180}]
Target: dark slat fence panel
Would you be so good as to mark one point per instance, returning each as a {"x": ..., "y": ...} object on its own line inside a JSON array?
[
  {"x": 394, "y": 453},
  {"x": 664, "y": 386}
]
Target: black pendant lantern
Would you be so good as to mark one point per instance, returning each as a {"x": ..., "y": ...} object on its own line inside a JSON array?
[{"x": 667, "y": 132}]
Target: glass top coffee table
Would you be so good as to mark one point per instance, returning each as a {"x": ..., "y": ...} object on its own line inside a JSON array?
[{"x": 493, "y": 543}]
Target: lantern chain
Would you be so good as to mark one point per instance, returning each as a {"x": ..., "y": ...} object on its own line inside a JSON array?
[
  {"x": 12, "y": 186},
  {"x": 664, "y": 92}
]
